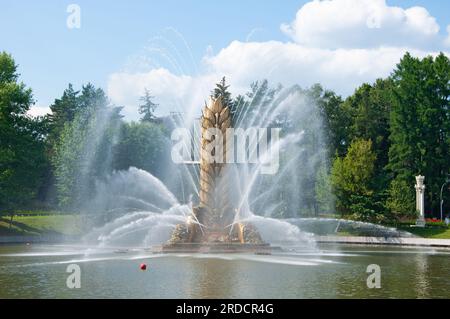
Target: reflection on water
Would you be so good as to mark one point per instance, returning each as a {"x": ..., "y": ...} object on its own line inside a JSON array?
[
  {"x": 421, "y": 275},
  {"x": 331, "y": 271}
]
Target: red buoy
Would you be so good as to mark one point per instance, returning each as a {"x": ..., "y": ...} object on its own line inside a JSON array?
[{"x": 143, "y": 267}]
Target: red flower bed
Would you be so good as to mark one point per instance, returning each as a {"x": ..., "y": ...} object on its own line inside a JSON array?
[{"x": 434, "y": 222}]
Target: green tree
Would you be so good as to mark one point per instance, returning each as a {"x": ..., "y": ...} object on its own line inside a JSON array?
[
  {"x": 83, "y": 153},
  {"x": 420, "y": 126},
  {"x": 63, "y": 110},
  {"x": 336, "y": 119},
  {"x": 351, "y": 178},
  {"x": 401, "y": 199},
  {"x": 142, "y": 145},
  {"x": 221, "y": 90},
  {"x": 22, "y": 147},
  {"x": 148, "y": 107},
  {"x": 324, "y": 190},
  {"x": 369, "y": 107},
  {"x": 249, "y": 108}
]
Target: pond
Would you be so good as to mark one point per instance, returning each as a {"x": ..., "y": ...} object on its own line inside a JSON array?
[{"x": 326, "y": 271}]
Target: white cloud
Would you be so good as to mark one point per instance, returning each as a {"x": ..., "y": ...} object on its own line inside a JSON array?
[
  {"x": 362, "y": 24},
  {"x": 447, "y": 40},
  {"x": 36, "y": 110},
  {"x": 336, "y": 54},
  {"x": 172, "y": 92},
  {"x": 290, "y": 63}
]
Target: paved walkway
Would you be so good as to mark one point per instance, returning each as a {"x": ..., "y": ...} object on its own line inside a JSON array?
[{"x": 429, "y": 242}]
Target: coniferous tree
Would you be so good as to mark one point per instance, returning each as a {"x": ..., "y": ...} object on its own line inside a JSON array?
[
  {"x": 148, "y": 107},
  {"x": 336, "y": 120},
  {"x": 369, "y": 108},
  {"x": 419, "y": 124},
  {"x": 221, "y": 90},
  {"x": 83, "y": 152},
  {"x": 63, "y": 110}
]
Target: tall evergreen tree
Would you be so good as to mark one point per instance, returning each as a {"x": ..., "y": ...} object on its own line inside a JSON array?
[
  {"x": 336, "y": 119},
  {"x": 63, "y": 110},
  {"x": 221, "y": 90},
  {"x": 83, "y": 153},
  {"x": 148, "y": 107},
  {"x": 420, "y": 129},
  {"x": 369, "y": 108}
]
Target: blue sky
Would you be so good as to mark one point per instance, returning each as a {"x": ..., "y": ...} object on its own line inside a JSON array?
[{"x": 113, "y": 33}]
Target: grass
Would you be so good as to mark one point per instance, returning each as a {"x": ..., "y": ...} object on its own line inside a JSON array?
[
  {"x": 38, "y": 224},
  {"x": 426, "y": 232},
  {"x": 429, "y": 231},
  {"x": 32, "y": 223},
  {"x": 345, "y": 233}
]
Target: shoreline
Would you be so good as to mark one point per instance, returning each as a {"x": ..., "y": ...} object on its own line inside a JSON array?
[
  {"x": 358, "y": 240},
  {"x": 389, "y": 241},
  {"x": 42, "y": 239}
]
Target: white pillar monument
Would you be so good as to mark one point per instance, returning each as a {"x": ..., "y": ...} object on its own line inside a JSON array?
[{"x": 420, "y": 200}]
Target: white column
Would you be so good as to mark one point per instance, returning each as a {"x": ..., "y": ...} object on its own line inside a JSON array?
[{"x": 420, "y": 200}]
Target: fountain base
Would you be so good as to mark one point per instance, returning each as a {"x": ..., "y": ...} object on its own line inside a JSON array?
[
  {"x": 241, "y": 233},
  {"x": 190, "y": 237},
  {"x": 215, "y": 248}
]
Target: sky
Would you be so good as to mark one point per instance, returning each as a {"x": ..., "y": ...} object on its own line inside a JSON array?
[{"x": 179, "y": 49}]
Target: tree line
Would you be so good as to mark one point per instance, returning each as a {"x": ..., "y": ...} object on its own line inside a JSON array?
[
  {"x": 53, "y": 161},
  {"x": 387, "y": 133},
  {"x": 375, "y": 140}
]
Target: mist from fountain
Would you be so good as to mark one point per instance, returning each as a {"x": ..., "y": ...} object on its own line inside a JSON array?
[{"x": 141, "y": 210}]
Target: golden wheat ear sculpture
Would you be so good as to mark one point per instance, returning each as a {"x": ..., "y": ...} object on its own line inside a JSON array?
[
  {"x": 212, "y": 218},
  {"x": 214, "y": 197}
]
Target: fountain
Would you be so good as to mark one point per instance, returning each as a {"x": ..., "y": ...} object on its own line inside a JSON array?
[
  {"x": 211, "y": 226},
  {"x": 220, "y": 205}
]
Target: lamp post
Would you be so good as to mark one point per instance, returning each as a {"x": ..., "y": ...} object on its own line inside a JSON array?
[{"x": 442, "y": 189}]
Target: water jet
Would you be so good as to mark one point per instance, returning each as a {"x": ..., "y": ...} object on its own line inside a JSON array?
[{"x": 213, "y": 225}]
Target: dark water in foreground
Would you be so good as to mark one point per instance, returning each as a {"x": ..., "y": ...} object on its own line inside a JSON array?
[{"x": 329, "y": 271}]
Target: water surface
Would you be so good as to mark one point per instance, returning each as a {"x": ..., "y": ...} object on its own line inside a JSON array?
[{"x": 328, "y": 271}]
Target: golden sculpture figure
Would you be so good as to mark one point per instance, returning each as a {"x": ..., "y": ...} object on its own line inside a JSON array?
[{"x": 213, "y": 220}]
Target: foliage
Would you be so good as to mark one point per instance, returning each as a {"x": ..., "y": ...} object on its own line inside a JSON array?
[
  {"x": 369, "y": 108},
  {"x": 141, "y": 145},
  {"x": 401, "y": 199},
  {"x": 83, "y": 151},
  {"x": 420, "y": 123},
  {"x": 22, "y": 159},
  {"x": 381, "y": 136},
  {"x": 221, "y": 90},
  {"x": 336, "y": 118},
  {"x": 257, "y": 101},
  {"x": 148, "y": 107},
  {"x": 351, "y": 178},
  {"x": 63, "y": 110},
  {"x": 324, "y": 191}
]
